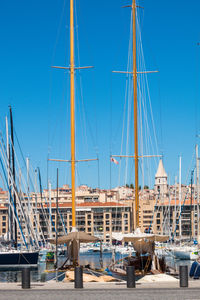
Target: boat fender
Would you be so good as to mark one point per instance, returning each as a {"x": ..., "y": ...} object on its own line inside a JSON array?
[
  {"x": 108, "y": 271},
  {"x": 193, "y": 268}
]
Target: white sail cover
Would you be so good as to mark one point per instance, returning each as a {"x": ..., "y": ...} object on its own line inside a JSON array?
[{"x": 142, "y": 242}]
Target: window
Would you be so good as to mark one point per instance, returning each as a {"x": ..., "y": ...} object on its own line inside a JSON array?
[
  {"x": 114, "y": 228},
  {"x": 89, "y": 229},
  {"x": 146, "y": 222},
  {"x": 4, "y": 218},
  {"x": 3, "y": 223},
  {"x": 107, "y": 222},
  {"x": 89, "y": 217},
  {"x": 107, "y": 216},
  {"x": 116, "y": 215},
  {"x": 89, "y": 222},
  {"x": 158, "y": 221},
  {"x": 107, "y": 228}
]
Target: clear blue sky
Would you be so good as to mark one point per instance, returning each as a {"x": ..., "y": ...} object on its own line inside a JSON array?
[{"x": 34, "y": 36}]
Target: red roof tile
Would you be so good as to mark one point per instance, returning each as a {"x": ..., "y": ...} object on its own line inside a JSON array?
[
  {"x": 89, "y": 204},
  {"x": 172, "y": 202}
]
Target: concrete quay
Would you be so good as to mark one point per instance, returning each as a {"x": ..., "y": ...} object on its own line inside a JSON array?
[{"x": 117, "y": 291}]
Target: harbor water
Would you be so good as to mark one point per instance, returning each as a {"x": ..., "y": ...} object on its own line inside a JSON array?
[{"x": 92, "y": 259}]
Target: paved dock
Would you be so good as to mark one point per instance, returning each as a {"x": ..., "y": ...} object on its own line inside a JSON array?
[{"x": 104, "y": 291}]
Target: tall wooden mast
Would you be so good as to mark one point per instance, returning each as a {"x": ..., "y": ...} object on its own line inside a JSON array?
[
  {"x": 72, "y": 96},
  {"x": 135, "y": 115},
  {"x": 72, "y": 70},
  {"x": 135, "y": 210}
]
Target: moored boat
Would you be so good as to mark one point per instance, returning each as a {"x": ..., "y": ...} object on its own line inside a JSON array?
[
  {"x": 185, "y": 253},
  {"x": 18, "y": 259}
]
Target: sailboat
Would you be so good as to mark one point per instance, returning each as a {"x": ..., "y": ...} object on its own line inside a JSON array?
[
  {"x": 11, "y": 256},
  {"x": 74, "y": 238},
  {"x": 187, "y": 250},
  {"x": 143, "y": 243}
]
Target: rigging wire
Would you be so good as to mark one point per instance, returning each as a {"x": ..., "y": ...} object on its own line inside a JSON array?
[
  {"x": 59, "y": 114},
  {"x": 111, "y": 127},
  {"x": 82, "y": 109},
  {"x": 125, "y": 104},
  {"x": 197, "y": 93},
  {"x": 51, "y": 72},
  {"x": 145, "y": 106}
]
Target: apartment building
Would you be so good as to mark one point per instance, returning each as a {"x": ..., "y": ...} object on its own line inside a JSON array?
[
  {"x": 101, "y": 212},
  {"x": 99, "y": 219}
]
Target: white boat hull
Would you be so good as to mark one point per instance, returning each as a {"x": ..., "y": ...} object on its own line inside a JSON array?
[{"x": 185, "y": 255}]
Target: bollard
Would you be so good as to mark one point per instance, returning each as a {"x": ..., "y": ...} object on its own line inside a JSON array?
[
  {"x": 26, "y": 278},
  {"x": 78, "y": 277},
  {"x": 183, "y": 275},
  {"x": 130, "y": 274},
  {"x": 43, "y": 277}
]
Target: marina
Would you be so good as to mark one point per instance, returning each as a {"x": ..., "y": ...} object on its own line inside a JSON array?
[
  {"x": 61, "y": 228},
  {"x": 40, "y": 274}
]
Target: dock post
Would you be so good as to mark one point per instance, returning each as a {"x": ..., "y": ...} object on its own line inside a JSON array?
[
  {"x": 130, "y": 273},
  {"x": 183, "y": 276},
  {"x": 78, "y": 277},
  {"x": 43, "y": 277},
  {"x": 26, "y": 278}
]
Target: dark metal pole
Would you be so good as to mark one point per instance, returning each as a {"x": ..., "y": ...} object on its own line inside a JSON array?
[
  {"x": 10, "y": 214},
  {"x": 183, "y": 276},
  {"x": 26, "y": 278},
  {"x": 57, "y": 230},
  {"x": 191, "y": 206},
  {"x": 78, "y": 282},
  {"x": 110, "y": 174},
  {"x": 40, "y": 182},
  {"x": 101, "y": 255},
  {"x": 130, "y": 273},
  {"x": 13, "y": 174}
]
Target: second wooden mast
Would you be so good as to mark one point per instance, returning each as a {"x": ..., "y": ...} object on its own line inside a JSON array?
[
  {"x": 72, "y": 99},
  {"x": 135, "y": 115}
]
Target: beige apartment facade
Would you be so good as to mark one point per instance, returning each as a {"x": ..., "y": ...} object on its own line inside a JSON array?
[
  {"x": 102, "y": 212},
  {"x": 99, "y": 219}
]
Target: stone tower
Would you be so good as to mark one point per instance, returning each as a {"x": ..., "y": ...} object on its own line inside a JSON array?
[{"x": 161, "y": 186}]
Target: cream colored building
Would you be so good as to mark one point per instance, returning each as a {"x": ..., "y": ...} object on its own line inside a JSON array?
[
  {"x": 99, "y": 219},
  {"x": 102, "y": 212}
]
